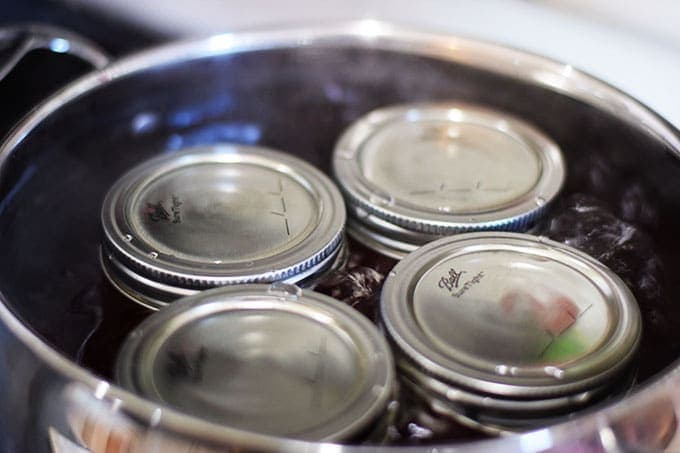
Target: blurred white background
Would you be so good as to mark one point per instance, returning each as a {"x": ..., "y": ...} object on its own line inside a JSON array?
[{"x": 632, "y": 44}]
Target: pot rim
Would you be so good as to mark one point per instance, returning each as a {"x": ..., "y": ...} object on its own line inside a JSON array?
[{"x": 514, "y": 63}]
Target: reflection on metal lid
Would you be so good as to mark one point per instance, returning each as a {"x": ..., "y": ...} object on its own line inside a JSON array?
[
  {"x": 435, "y": 169},
  {"x": 507, "y": 315},
  {"x": 272, "y": 359},
  {"x": 219, "y": 215}
]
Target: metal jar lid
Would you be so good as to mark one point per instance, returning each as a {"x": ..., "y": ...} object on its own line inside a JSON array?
[
  {"x": 511, "y": 315},
  {"x": 269, "y": 359},
  {"x": 218, "y": 215},
  {"x": 436, "y": 169}
]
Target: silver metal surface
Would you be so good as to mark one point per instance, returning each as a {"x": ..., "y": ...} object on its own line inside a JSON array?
[
  {"x": 510, "y": 315},
  {"x": 270, "y": 359},
  {"x": 385, "y": 245},
  {"x": 154, "y": 295},
  {"x": 382, "y": 236},
  {"x": 218, "y": 215},
  {"x": 27, "y": 38},
  {"x": 497, "y": 415},
  {"x": 443, "y": 168},
  {"x": 445, "y": 393},
  {"x": 493, "y": 416},
  {"x": 79, "y": 399}
]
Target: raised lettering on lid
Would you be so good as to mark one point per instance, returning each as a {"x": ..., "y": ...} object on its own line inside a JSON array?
[{"x": 507, "y": 316}]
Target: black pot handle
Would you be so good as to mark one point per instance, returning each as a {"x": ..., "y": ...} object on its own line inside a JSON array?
[{"x": 17, "y": 41}]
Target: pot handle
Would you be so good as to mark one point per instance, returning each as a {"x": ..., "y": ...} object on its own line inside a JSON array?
[{"x": 17, "y": 41}]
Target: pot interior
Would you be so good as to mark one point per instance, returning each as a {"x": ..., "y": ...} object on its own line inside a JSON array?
[{"x": 620, "y": 202}]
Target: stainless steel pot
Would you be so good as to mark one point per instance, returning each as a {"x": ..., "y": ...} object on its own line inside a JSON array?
[{"x": 293, "y": 89}]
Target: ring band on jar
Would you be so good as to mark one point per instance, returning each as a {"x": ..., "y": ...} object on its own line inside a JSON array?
[{"x": 219, "y": 215}]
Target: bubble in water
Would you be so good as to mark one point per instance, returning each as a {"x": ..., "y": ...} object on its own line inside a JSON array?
[
  {"x": 285, "y": 290},
  {"x": 502, "y": 369},
  {"x": 381, "y": 199},
  {"x": 156, "y": 416},
  {"x": 554, "y": 371},
  {"x": 144, "y": 122},
  {"x": 361, "y": 213},
  {"x": 346, "y": 153}
]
